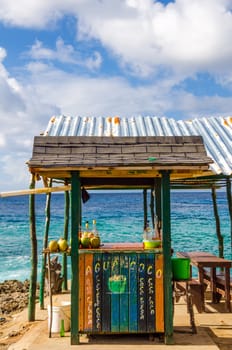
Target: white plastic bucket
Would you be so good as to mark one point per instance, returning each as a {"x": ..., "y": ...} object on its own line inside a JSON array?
[{"x": 62, "y": 312}]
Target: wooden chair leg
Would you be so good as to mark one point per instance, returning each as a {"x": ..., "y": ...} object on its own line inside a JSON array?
[{"x": 190, "y": 308}]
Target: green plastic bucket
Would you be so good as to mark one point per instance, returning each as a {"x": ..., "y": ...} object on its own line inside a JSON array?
[{"x": 180, "y": 268}]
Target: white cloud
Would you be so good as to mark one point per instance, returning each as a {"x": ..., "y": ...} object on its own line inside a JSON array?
[
  {"x": 14, "y": 171},
  {"x": 22, "y": 116},
  {"x": 45, "y": 90},
  {"x": 34, "y": 14},
  {"x": 63, "y": 53},
  {"x": 2, "y": 140},
  {"x": 73, "y": 94},
  {"x": 93, "y": 62},
  {"x": 10, "y": 97},
  {"x": 2, "y": 53},
  {"x": 184, "y": 36},
  {"x": 164, "y": 43}
]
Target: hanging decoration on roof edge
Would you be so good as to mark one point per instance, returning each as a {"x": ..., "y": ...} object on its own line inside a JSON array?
[{"x": 84, "y": 195}]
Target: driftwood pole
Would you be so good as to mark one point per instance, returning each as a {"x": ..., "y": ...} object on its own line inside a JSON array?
[
  {"x": 229, "y": 200},
  {"x": 217, "y": 219},
  {"x": 66, "y": 226},
  {"x": 45, "y": 244},
  {"x": 33, "y": 278},
  {"x": 158, "y": 203},
  {"x": 152, "y": 207}
]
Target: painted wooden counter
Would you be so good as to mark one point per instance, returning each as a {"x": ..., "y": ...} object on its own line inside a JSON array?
[{"x": 134, "y": 304}]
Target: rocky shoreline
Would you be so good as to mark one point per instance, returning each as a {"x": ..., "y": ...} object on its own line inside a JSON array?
[
  {"x": 13, "y": 300},
  {"x": 13, "y": 296}
]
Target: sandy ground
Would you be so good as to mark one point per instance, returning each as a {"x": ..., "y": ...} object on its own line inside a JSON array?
[{"x": 214, "y": 331}]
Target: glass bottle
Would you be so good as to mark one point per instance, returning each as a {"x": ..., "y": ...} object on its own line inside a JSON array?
[
  {"x": 86, "y": 230},
  {"x": 147, "y": 233},
  {"x": 62, "y": 334},
  {"x": 80, "y": 231},
  {"x": 94, "y": 229},
  {"x": 156, "y": 228}
]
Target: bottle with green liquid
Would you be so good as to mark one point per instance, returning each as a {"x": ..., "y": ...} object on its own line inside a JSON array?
[{"x": 62, "y": 334}]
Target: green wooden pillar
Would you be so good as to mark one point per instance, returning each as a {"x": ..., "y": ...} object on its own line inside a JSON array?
[
  {"x": 75, "y": 222},
  {"x": 166, "y": 220}
]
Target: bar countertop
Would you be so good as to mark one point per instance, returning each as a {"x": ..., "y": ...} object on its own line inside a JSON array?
[{"x": 121, "y": 247}]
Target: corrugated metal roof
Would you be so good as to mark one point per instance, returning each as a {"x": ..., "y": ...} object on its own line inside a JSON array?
[{"x": 216, "y": 132}]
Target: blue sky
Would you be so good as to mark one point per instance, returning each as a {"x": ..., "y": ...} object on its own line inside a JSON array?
[{"x": 101, "y": 57}]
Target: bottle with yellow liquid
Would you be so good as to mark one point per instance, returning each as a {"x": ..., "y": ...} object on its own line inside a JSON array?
[{"x": 95, "y": 238}]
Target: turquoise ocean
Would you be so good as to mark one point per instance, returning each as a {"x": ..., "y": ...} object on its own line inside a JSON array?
[{"x": 119, "y": 218}]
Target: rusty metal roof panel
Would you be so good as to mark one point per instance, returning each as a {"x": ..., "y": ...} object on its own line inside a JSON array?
[{"x": 216, "y": 132}]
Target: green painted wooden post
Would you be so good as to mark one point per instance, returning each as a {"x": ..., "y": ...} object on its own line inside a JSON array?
[
  {"x": 166, "y": 220},
  {"x": 75, "y": 222}
]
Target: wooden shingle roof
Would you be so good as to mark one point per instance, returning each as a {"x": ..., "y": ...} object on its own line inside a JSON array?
[{"x": 56, "y": 156}]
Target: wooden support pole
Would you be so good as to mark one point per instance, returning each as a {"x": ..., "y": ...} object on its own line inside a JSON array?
[
  {"x": 45, "y": 244},
  {"x": 166, "y": 219},
  {"x": 152, "y": 208},
  {"x": 35, "y": 191},
  {"x": 33, "y": 277},
  {"x": 50, "y": 296},
  {"x": 158, "y": 202},
  {"x": 75, "y": 223},
  {"x": 144, "y": 209},
  {"x": 217, "y": 220},
  {"x": 66, "y": 226}
]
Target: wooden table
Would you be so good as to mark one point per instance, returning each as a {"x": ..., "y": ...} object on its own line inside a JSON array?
[{"x": 203, "y": 261}]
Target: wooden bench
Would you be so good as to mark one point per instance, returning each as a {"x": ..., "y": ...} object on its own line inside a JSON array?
[
  {"x": 194, "y": 289},
  {"x": 207, "y": 261},
  {"x": 220, "y": 284}
]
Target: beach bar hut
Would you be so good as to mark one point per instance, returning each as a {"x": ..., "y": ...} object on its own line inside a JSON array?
[{"x": 142, "y": 301}]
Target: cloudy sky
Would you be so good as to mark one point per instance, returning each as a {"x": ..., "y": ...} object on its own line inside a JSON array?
[{"x": 101, "y": 57}]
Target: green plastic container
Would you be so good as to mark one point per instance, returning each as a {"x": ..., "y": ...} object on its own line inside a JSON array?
[{"x": 180, "y": 268}]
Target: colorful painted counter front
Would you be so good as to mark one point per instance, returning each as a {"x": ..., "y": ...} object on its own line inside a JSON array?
[{"x": 121, "y": 289}]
